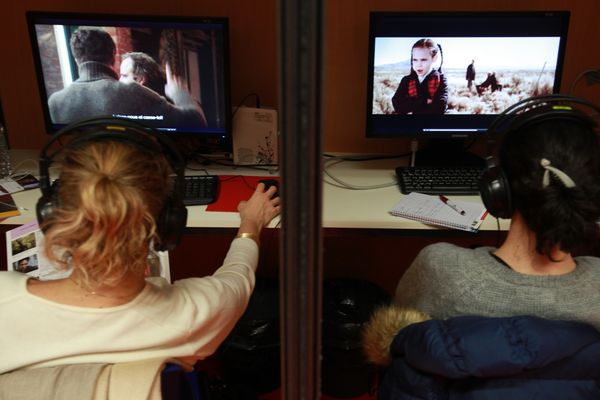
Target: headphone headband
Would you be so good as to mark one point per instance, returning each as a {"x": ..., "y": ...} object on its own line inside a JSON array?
[{"x": 547, "y": 107}]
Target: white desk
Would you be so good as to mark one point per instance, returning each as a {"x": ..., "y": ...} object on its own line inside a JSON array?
[
  {"x": 197, "y": 215},
  {"x": 342, "y": 208},
  {"x": 349, "y": 216}
]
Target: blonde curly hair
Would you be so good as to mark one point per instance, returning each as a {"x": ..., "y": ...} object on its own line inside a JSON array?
[{"x": 109, "y": 196}]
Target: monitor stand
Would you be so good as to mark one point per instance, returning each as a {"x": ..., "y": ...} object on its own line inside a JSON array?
[{"x": 447, "y": 152}]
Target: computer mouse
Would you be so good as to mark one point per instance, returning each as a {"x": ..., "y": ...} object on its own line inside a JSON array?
[{"x": 270, "y": 182}]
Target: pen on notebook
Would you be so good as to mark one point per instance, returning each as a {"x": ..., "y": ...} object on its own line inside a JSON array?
[{"x": 450, "y": 204}]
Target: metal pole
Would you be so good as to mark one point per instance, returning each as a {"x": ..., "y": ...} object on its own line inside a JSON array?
[{"x": 301, "y": 263}]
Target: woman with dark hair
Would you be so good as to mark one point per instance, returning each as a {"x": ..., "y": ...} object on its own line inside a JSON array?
[
  {"x": 518, "y": 322},
  {"x": 553, "y": 173}
]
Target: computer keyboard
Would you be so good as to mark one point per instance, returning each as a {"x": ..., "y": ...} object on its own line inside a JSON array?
[
  {"x": 456, "y": 180},
  {"x": 200, "y": 189}
]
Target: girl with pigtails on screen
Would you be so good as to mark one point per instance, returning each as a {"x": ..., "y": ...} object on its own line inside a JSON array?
[{"x": 425, "y": 89}]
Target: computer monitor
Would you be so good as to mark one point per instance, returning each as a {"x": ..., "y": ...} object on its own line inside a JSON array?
[
  {"x": 482, "y": 63},
  {"x": 190, "y": 55}
]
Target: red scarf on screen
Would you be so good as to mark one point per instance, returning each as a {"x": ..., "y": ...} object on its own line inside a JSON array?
[{"x": 433, "y": 83}]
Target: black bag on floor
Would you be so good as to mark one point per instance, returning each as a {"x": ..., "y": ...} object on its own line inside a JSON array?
[
  {"x": 347, "y": 305},
  {"x": 250, "y": 355}
]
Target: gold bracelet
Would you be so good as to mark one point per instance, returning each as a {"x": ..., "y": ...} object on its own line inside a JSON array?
[{"x": 249, "y": 235}]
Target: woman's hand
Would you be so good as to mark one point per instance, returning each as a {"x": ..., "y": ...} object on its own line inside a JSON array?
[{"x": 259, "y": 209}]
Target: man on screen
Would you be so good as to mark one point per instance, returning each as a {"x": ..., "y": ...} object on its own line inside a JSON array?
[
  {"x": 139, "y": 67},
  {"x": 98, "y": 92},
  {"x": 470, "y": 75},
  {"x": 490, "y": 82}
]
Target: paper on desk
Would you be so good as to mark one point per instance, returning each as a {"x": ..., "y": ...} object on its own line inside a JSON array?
[
  {"x": 19, "y": 183},
  {"x": 9, "y": 186},
  {"x": 431, "y": 210}
]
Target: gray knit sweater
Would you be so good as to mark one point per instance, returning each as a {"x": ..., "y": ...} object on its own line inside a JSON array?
[{"x": 447, "y": 281}]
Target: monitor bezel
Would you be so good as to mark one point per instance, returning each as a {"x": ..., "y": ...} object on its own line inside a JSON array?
[
  {"x": 462, "y": 125},
  {"x": 215, "y": 141}
]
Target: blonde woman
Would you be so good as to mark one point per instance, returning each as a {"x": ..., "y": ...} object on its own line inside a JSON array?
[{"x": 109, "y": 198}]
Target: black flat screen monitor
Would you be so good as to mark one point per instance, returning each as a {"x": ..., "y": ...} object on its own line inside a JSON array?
[
  {"x": 169, "y": 73},
  {"x": 485, "y": 62}
]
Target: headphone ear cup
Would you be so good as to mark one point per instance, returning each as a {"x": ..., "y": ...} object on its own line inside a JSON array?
[
  {"x": 495, "y": 192},
  {"x": 170, "y": 225},
  {"x": 47, "y": 204}
]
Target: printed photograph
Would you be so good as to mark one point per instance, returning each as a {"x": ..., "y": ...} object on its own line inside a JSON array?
[
  {"x": 26, "y": 264},
  {"x": 23, "y": 243}
]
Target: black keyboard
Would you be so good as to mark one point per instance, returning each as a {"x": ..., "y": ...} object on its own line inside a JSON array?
[
  {"x": 200, "y": 189},
  {"x": 439, "y": 180}
]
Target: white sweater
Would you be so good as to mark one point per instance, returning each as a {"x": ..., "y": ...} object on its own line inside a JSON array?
[{"x": 186, "y": 320}]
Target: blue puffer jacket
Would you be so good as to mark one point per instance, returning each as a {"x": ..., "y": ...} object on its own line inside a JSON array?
[{"x": 494, "y": 358}]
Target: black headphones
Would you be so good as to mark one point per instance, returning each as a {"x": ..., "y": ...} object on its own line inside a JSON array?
[
  {"x": 493, "y": 184},
  {"x": 172, "y": 220}
]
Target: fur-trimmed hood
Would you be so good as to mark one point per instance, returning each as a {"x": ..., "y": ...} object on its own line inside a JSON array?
[
  {"x": 382, "y": 327},
  {"x": 468, "y": 357}
]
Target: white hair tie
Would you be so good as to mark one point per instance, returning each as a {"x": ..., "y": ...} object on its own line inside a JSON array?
[{"x": 564, "y": 178}]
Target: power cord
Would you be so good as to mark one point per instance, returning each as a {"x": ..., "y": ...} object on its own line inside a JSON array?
[
  {"x": 414, "y": 146},
  {"x": 272, "y": 170},
  {"x": 592, "y": 74},
  {"x": 337, "y": 182},
  {"x": 241, "y": 103},
  {"x": 22, "y": 173},
  {"x": 13, "y": 206}
]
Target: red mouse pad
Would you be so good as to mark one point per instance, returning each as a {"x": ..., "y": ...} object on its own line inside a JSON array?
[{"x": 233, "y": 189}]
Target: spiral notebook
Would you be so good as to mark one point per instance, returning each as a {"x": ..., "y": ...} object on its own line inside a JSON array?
[{"x": 431, "y": 210}]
